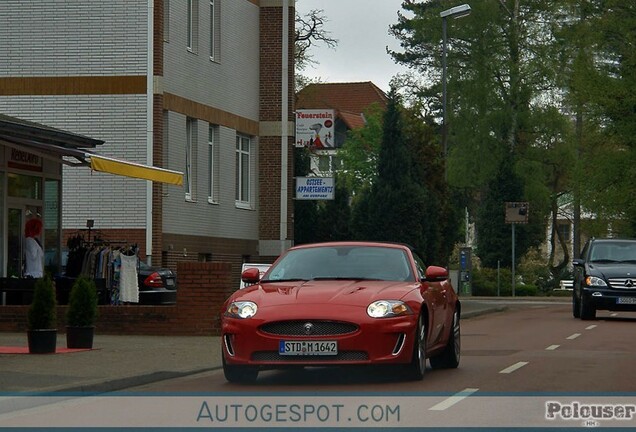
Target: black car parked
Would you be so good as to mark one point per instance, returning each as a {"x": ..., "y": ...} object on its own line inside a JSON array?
[
  {"x": 605, "y": 277},
  {"x": 157, "y": 286}
]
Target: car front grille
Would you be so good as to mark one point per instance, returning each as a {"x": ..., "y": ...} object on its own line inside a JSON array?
[
  {"x": 309, "y": 328},
  {"x": 273, "y": 356},
  {"x": 623, "y": 283}
]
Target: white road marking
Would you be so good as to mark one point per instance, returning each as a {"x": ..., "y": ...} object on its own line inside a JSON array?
[
  {"x": 513, "y": 368},
  {"x": 574, "y": 336},
  {"x": 590, "y": 327},
  {"x": 552, "y": 347},
  {"x": 457, "y": 397}
]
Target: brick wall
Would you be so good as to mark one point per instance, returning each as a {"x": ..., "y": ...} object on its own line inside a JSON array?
[{"x": 203, "y": 287}]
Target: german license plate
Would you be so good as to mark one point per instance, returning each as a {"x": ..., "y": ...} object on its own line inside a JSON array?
[
  {"x": 311, "y": 348},
  {"x": 626, "y": 300}
]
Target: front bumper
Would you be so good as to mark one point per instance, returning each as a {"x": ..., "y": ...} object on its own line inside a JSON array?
[
  {"x": 375, "y": 341},
  {"x": 610, "y": 299}
]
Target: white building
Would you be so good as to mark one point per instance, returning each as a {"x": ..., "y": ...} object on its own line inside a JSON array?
[{"x": 196, "y": 86}]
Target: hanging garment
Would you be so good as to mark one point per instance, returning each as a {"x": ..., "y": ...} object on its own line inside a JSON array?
[{"x": 128, "y": 283}]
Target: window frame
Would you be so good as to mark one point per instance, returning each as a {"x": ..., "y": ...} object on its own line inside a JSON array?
[
  {"x": 243, "y": 179},
  {"x": 213, "y": 24},
  {"x": 213, "y": 156},
  {"x": 192, "y": 26},
  {"x": 188, "y": 183}
]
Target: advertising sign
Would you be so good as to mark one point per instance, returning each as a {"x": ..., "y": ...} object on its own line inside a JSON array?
[
  {"x": 315, "y": 128},
  {"x": 314, "y": 188}
]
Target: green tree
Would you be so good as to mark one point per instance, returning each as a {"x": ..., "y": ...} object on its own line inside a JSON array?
[
  {"x": 397, "y": 207},
  {"x": 606, "y": 190},
  {"x": 305, "y": 211},
  {"x": 359, "y": 154},
  {"x": 334, "y": 216},
  {"x": 501, "y": 81}
]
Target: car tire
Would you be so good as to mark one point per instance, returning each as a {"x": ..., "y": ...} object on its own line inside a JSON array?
[
  {"x": 239, "y": 374},
  {"x": 449, "y": 358},
  {"x": 417, "y": 367},
  {"x": 576, "y": 306},
  {"x": 587, "y": 311}
]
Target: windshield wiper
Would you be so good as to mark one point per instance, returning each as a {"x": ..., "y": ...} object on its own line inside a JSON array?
[
  {"x": 344, "y": 278},
  {"x": 606, "y": 261},
  {"x": 632, "y": 261}
]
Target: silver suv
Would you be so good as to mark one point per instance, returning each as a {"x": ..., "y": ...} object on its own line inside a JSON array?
[{"x": 604, "y": 277}]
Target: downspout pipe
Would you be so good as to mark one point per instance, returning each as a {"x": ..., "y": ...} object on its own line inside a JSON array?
[
  {"x": 149, "y": 124},
  {"x": 284, "y": 141}
]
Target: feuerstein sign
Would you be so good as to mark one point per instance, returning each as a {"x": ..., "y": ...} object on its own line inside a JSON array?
[
  {"x": 315, "y": 128},
  {"x": 314, "y": 188}
]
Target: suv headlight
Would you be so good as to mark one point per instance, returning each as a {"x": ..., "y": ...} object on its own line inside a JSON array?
[
  {"x": 594, "y": 281},
  {"x": 241, "y": 309},
  {"x": 387, "y": 308}
]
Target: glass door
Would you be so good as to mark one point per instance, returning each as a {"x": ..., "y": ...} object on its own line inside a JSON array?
[{"x": 15, "y": 224}]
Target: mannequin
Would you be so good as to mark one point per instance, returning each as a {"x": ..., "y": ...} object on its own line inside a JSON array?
[{"x": 34, "y": 262}]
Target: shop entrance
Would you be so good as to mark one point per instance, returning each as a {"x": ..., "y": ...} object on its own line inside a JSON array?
[{"x": 16, "y": 219}]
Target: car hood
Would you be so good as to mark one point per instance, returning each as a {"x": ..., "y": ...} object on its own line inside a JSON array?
[
  {"x": 613, "y": 270},
  {"x": 342, "y": 292}
]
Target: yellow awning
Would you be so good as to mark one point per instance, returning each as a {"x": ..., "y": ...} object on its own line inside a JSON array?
[{"x": 135, "y": 170}]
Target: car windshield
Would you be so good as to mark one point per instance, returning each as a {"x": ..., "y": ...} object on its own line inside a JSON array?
[
  {"x": 342, "y": 262},
  {"x": 613, "y": 252}
]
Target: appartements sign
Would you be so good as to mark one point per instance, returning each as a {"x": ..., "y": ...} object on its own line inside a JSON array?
[{"x": 314, "y": 188}]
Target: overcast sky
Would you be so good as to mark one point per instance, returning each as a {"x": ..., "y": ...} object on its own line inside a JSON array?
[{"x": 361, "y": 27}]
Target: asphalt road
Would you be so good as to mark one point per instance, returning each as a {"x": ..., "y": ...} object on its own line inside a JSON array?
[
  {"x": 530, "y": 366},
  {"x": 536, "y": 348}
]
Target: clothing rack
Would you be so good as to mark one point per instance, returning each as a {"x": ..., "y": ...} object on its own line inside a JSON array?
[{"x": 101, "y": 260}]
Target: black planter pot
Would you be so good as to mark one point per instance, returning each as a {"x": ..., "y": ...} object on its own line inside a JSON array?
[
  {"x": 79, "y": 337},
  {"x": 42, "y": 341}
]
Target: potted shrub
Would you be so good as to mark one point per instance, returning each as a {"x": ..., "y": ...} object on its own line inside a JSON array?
[
  {"x": 42, "y": 318},
  {"x": 81, "y": 314}
]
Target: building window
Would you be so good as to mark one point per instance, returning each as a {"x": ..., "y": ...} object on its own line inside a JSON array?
[
  {"x": 193, "y": 25},
  {"x": 191, "y": 137},
  {"x": 243, "y": 145},
  {"x": 213, "y": 166},
  {"x": 166, "y": 20},
  {"x": 214, "y": 28},
  {"x": 326, "y": 164},
  {"x": 565, "y": 230}
]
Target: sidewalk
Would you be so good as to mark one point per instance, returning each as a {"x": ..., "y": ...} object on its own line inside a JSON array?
[{"x": 120, "y": 362}]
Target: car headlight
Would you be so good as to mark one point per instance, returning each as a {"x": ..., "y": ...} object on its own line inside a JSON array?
[
  {"x": 387, "y": 308},
  {"x": 242, "y": 309},
  {"x": 594, "y": 281}
]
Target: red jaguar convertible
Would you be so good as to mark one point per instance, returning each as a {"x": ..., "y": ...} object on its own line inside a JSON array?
[{"x": 342, "y": 303}]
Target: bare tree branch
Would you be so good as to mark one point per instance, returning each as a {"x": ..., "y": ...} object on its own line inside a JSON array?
[{"x": 310, "y": 31}]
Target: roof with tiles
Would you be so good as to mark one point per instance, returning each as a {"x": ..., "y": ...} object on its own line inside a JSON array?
[{"x": 349, "y": 99}]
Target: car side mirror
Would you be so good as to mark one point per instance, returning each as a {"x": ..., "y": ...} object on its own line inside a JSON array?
[
  {"x": 251, "y": 276},
  {"x": 578, "y": 262},
  {"x": 435, "y": 274}
]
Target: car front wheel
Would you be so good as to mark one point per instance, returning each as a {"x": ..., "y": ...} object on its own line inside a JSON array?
[
  {"x": 587, "y": 310},
  {"x": 576, "y": 306},
  {"x": 449, "y": 358},
  {"x": 417, "y": 367}
]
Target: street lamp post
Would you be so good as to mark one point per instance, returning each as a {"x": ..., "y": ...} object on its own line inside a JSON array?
[{"x": 454, "y": 12}]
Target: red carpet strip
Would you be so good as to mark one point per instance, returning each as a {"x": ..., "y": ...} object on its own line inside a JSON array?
[{"x": 25, "y": 350}]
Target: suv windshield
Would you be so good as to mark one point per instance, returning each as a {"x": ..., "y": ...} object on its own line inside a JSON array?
[{"x": 609, "y": 252}]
